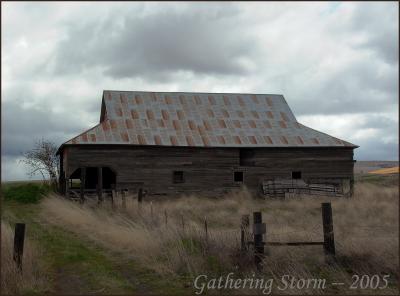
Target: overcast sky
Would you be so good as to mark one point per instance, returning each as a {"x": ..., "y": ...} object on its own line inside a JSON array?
[{"x": 335, "y": 63}]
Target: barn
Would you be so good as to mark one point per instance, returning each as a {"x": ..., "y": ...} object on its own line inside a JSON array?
[{"x": 170, "y": 143}]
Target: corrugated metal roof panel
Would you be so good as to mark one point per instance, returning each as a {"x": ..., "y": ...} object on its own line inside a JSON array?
[{"x": 201, "y": 119}]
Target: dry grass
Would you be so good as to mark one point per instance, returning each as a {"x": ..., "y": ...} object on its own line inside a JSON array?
[
  {"x": 393, "y": 170},
  {"x": 32, "y": 279},
  {"x": 169, "y": 237}
]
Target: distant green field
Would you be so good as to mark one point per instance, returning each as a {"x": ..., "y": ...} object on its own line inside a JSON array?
[
  {"x": 24, "y": 191},
  {"x": 12, "y": 183}
]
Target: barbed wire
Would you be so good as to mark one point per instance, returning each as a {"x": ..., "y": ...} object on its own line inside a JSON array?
[{"x": 365, "y": 227}]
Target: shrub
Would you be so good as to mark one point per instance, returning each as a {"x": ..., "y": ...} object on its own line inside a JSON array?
[{"x": 26, "y": 193}]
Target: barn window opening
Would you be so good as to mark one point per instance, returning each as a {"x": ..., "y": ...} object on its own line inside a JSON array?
[
  {"x": 296, "y": 175},
  {"x": 178, "y": 177},
  {"x": 238, "y": 177},
  {"x": 246, "y": 157}
]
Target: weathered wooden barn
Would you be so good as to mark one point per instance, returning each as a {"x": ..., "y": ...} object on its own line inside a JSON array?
[{"x": 208, "y": 143}]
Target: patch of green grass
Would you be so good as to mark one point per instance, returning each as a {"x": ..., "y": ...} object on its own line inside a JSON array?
[
  {"x": 68, "y": 253},
  {"x": 214, "y": 265},
  {"x": 25, "y": 193},
  {"x": 191, "y": 245}
]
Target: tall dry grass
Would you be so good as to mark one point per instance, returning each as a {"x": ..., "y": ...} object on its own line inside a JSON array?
[
  {"x": 32, "y": 279},
  {"x": 168, "y": 235}
]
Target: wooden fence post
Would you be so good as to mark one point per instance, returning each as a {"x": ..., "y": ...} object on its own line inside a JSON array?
[
  {"x": 100, "y": 184},
  {"x": 151, "y": 212},
  {"x": 19, "y": 236},
  {"x": 206, "y": 228},
  {"x": 329, "y": 240},
  {"x": 183, "y": 223},
  {"x": 258, "y": 231},
  {"x": 244, "y": 228},
  {"x": 166, "y": 217}
]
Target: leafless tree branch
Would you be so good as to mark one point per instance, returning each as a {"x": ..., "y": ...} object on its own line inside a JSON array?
[{"x": 43, "y": 159}]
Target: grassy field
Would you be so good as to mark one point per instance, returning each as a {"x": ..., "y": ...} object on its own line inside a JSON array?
[
  {"x": 393, "y": 170},
  {"x": 161, "y": 246}
]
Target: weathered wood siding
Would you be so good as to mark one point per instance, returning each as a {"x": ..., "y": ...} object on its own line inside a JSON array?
[{"x": 207, "y": 169}]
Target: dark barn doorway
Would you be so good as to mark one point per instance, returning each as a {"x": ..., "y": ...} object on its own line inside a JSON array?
[
  {"x": 91, "y": 178},
  {"x": 109, "y": 178}
]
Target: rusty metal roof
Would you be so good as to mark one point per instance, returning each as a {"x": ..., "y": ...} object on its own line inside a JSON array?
[{"x": 200, "y": 120}]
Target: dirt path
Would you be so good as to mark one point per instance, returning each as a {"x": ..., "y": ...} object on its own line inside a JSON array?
[{"x": 66, "y": 282}]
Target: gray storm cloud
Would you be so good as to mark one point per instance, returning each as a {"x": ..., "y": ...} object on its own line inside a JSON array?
[{"x": 200, "y": 40}]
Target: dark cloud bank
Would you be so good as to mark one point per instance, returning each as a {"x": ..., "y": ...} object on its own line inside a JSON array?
[{"x": 201, "y": 41}]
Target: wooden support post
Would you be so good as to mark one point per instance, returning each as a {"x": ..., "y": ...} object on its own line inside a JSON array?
[
  {"x": 62, "y": 183},
  {"x": 258, "y": 231},
  {"x": 19, "y": 237},
  {"x": 123, "y": 200},
  {"x": 100, "y": 184},
  {"x": 244, "y": 230},
  {"x": 183, "y": 223},
  {"x": 140, "y": 195},
  {"x": 97, "y": 192},
  {"x": 351, "y": 187},
  {"x": 113, "y": 197},
  {"x": 166, "y": 217},
  {"x": 329, "y": 240},
  {"x": 67, "y": 188},
  {"x": 83, "y": 181}
]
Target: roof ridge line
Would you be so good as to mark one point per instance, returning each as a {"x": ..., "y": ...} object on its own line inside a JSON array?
[{"x": 191, "y": 92}]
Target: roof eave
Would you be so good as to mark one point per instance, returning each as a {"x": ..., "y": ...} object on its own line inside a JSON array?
[
  {"x": 177, "y": 146},
  {"x": 60, "y": 149}
]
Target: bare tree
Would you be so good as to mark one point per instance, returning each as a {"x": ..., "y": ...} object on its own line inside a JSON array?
[{"x": 42, "y": 159}]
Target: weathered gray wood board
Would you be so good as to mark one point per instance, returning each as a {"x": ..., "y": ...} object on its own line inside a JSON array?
[{"x": 207, "y": 169}]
